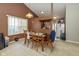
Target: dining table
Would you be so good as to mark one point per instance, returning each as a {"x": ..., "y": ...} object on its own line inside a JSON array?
[{"x": 41, "y": 38}]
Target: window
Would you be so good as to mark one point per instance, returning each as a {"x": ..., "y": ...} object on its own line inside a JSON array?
[{"x": 16, "y": 25}]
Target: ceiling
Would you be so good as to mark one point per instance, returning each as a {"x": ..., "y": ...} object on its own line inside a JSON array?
[{"x": 44, "y": 9}]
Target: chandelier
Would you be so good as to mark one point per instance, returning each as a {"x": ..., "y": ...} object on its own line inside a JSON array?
[{"x": 29, "y": 15}]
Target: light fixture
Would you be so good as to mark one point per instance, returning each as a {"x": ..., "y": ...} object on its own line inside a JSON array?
[
  {"x": 42, "y": 12},
  {"x": 54, "y": 17},
  {"x": 29, "y": 15}
]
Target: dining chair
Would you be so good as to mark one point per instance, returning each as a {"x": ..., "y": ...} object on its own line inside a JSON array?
[
  {"x": 25, "y": 36},
  {"x": 34, "y": 40},
  {"x": 41, "y": 42},
  {"x": 47, "y": 42},
  {"x": 27, "y": 39},
  {"x": 37, "y": 41}
]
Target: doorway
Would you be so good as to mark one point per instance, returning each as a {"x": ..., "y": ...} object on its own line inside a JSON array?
[{"x": 59, "y": 27}]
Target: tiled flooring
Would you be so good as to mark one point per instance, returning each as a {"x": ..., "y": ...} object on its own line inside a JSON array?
[{"x": 61, "y": 49}]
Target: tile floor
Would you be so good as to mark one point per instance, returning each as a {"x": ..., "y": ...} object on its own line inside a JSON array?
[{"x": 61, "y": 49}]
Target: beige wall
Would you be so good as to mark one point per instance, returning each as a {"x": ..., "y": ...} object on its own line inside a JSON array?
[{"x": 72, "y": 22}]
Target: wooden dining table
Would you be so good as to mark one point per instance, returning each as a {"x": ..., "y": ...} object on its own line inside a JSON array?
[{"x": 39, "y": 38}]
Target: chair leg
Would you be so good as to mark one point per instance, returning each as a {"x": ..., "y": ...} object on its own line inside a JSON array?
[
  {"x": 50, "y": 45},
  {"x": 37, "y": 45},
  {"x": 42, "y": 46},
  {"x": 33, "y": 43},
  {"x": 25, "y": 41}
]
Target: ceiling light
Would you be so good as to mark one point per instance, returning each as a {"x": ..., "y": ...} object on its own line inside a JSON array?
[
  {"x": 54, "y": 17},
  {"x": 29, "y": 15},
  {"x": 42, "y": 12}
]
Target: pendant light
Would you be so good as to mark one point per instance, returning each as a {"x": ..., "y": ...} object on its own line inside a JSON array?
[{"x": 29, "y": 15}]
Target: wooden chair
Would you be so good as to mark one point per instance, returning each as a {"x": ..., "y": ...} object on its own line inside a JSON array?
[
  {"x": 48, "y": 42},
  {"x": 26, "y": 40},
  {"x": 37, "y": 41},
  {"x": 34, "y": 40},
  {"x": 25, "y": 36}
]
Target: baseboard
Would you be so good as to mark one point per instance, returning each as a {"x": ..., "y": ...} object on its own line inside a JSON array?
[
  {"x": 72, "y": 41},
  {"x": 14, "y": 41},
  {"x": 57, "y": 39},
  {"x": 11, "y": 42}
]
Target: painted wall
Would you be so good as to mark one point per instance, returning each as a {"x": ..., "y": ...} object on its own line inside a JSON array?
[
  {"x": 72, "y": 22},
  {"x": 14, "y": 9},
  {"x": 36, "y": 25}
]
